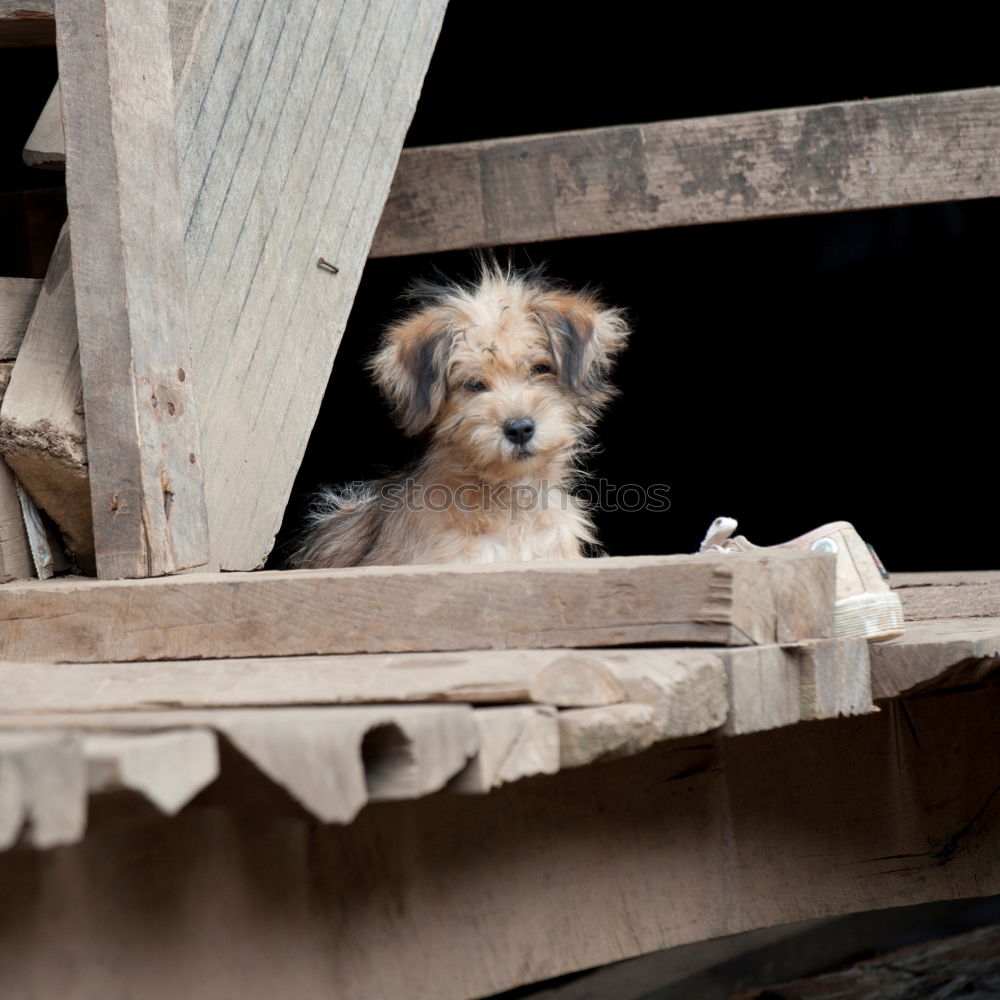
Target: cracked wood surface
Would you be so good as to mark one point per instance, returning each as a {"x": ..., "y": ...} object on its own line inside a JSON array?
[
  {"x": 793, "y": 161},
  {"x": 688, "y": 841},
  {"x": 732, "y": 599},
  {"x": 144, "y": 438}
]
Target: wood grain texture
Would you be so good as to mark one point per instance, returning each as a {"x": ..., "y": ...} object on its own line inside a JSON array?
[
  {"x": 834, "y": 678},
  {"x": 331, "y": 761},
  {"x": 575, "y": 678},
  {"x": 936, "y": 654},
  {"x": 42, "y": 433},
  {"x": 515, "y": 741},
  {"x": 795, "y": 161},
  {"x": 17, "y": 302},
  {"x": 289, "y": 125},
  {"x": 690, "y": 841},
  {"x": 950, "y": 600},
  {"x": 15, "y": 551},
  {"x": 736, "y": 598},
  {"x": 130, "y": 276}
]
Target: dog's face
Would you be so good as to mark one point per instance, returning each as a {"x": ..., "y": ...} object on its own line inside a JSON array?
[{"x": 508, "y": 375}]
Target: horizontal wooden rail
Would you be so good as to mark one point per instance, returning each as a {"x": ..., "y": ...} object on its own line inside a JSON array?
[
  {"x": 731, "y": 599},
  {"x": 794, "y": 161}
]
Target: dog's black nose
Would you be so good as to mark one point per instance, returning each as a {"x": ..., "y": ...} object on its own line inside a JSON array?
[{"x": 519, "y": 431}]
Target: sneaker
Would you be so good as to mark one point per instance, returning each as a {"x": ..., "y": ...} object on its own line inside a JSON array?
[{"x": 865, "y": 604}]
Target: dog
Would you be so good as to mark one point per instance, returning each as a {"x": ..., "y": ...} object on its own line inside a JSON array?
[{"x": 506, "y": 377}]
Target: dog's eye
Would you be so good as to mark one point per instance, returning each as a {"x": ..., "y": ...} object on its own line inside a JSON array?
[
  {"x": 474, "y": 385},
  {"x": 540, "y": 370}
]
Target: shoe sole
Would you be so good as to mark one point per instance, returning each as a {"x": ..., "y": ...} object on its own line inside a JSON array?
[{"x": 874, "y": 616}]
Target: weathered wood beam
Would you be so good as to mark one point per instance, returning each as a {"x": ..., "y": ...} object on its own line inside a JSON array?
[
  {"x": 795, "y": 161},
  {"x": 561, "y": 678},
  {"x": 732, "y": 599},
  {"x": 692, "y": 840},
  {"x": 936, "y": 654},
  {"x": 130, "y": 275},
  {"x": 303, "y": 113},
  {"x": 42, "y": 432},
  {"x": 17, "y": 302}
]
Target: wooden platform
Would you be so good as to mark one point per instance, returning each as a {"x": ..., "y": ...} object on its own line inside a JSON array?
[{"x": 793, "y": 819}]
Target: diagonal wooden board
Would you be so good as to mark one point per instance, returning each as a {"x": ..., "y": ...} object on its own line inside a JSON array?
[
  {"x": 17, "y": 301},
  {"x": 42, "y": 432},
  {"x": 289, "y": 122},
  {"x": 723, "y": 599}
]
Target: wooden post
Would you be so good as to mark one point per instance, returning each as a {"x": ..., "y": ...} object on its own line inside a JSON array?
[{"x": 130, "y": 275}]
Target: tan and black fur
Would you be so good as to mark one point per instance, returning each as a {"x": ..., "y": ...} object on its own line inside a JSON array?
[{"x": 506, "y": 378}]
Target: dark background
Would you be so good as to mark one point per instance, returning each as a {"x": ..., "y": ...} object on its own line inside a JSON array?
[{"x": 785, "y": 372}]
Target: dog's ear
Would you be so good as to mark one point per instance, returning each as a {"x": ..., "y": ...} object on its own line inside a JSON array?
[
  {"x": 411, "y": 367},
  {"x": 584, "y": 336}
]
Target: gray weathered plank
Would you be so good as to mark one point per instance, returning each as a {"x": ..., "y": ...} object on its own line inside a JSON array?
[
  {"x": 42, "y": 433},
  {"x": 948, "y": 600},
  {"x": 290, "y": 120},
  {"x": 17, "y": 301},
  {"x": 937, "y": 653},
  {"x": 332, "y": 760},
  {"x": 561, "y": 678},
  {"x": 795, "y": 161},
  {"x": 289, "y": 125},
  {"x": 731, "y": 599},
  {"x": 15, "y": 552},
  {"x": 130, "y": 277},
  {"x": 691, "y": 841}
]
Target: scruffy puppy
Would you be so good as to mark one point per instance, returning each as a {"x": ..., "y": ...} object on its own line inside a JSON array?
[{"x": 506, "y": 377}]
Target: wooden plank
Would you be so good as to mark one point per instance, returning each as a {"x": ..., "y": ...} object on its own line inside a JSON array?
[
  {"x": 46, "y": 147},
  {"x": 834, "y": 678},
  {"x": 688, "y": 842},
  {"x": 42, "y": 434},
  {"x": 26, "y": 23},
  {"x": 587, "y": 735},
  {"x": 330, "y": 760},
  {"x": 144, "y": 439},
  {"x": 763, "y": 689},
  {"x": 168, "y": 768},
  {"x": 936, "y": 654},
  {"x": 772, "y": 686},
  {"x": 43, "y": 802},
  {"x": 972, "y": 600},
  {"x": 290, "y": 121},
  {"x": 515, "y": 741},
  {"x": 947, "y": 578},
  {"x": 15, "y": 552},
  {"x": 561, "y": 678},
  {"x": 794, "y": 161},
  {"x": 735, "y": 598},
  {"x": 42, "y": 427},
  {"x": 289, "y": 124},
  {"x": 17, "y": 301}
]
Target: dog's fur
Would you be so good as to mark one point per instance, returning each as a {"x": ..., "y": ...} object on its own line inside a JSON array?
[{"x": 464, "y": 368}]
